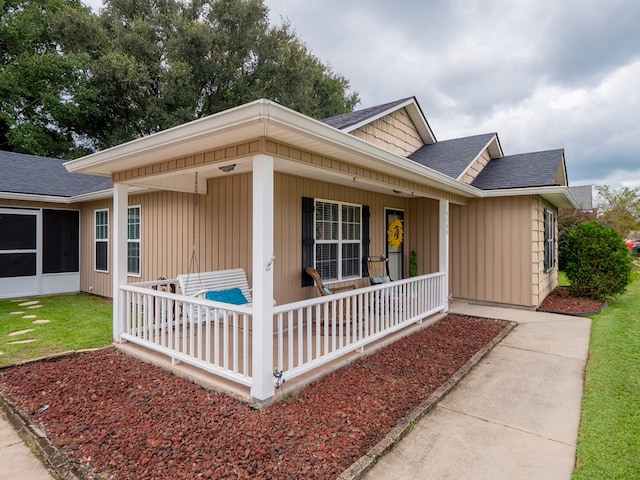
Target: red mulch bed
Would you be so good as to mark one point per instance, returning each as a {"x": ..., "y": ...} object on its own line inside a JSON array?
[
  {"x": 117, "y": 417},
  {"x": 561, "y": 301}
]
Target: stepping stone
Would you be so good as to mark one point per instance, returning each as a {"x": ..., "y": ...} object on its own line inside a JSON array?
[
  {"x": 22, "y": 341},
  {"x": 21, "y": 332},
  {"x": 30, "y": 316},
  {"x": 16, "y": 313},
  {"x": 32, "y": 302},
  {"x": 36, "y": 306},
  {"x": 40, "y": 321}
]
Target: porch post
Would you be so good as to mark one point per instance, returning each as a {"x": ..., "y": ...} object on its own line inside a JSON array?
[
  {"x": 262, "y": 268},
  {"x": 443, "y": 254},
  {"x": 119, "y": 261}
]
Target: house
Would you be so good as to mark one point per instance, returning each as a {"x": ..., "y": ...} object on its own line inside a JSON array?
[
  {"x": 40, "y": 210},
  {"x": 271, "y": 191}
]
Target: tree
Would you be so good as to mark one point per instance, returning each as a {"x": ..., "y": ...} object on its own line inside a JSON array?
[
  {"x": 42, "y": 72},
  {"x": 598, "y": 263},
  {"x": 619, "y": 208},
  {"x": 90, "y": 81}
]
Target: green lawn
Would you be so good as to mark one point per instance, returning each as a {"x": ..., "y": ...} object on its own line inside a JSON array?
[
  {"x": 609, "y": 440},
  {"x": 75, "y": 322}
]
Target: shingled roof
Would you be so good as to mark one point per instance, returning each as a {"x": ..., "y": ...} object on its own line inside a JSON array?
[
  {"x": 537, "y": 169},
  {"x": 35, "y": 175},
  {"x": 346, "y": 120},
  {"x": 452, "y": 157}
]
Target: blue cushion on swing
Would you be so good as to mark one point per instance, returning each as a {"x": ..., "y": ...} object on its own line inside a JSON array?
[{"x": 233, "y": 296}]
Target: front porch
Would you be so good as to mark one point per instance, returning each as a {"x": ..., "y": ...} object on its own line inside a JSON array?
[{"x": 305, "y": 339}]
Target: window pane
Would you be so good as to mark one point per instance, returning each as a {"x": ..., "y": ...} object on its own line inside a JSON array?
[
  {"x": 350, "y": 222},
  {"x": 61, "y": 245},
  {"x": 133, "y": 257},
  {"x": 102, "y": 225},
  {"x": 326, "y": 221},
  {"x": 17, "y": 265},
  {"x": 101, "y": 256},
  {"x": 133, "y": 223},
  {"x": 18, "y": 232},
  {"x": 327, "y": 261},
  {"x": 351, "y": 260}
]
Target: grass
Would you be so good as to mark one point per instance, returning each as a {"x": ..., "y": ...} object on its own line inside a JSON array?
[
  {"x": 76, "y": 322},
  {"x": 609, "y": 437}
]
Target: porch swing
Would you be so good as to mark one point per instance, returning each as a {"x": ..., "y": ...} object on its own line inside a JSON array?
[{"x": 226, "y": 286}]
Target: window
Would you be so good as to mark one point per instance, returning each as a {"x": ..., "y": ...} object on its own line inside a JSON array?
[
  {"x": 102, "y": 241},
  {"x": 338, "y": 234},
  {"x": 549, "y": 240},
  {"x": 133, "y": 241}
]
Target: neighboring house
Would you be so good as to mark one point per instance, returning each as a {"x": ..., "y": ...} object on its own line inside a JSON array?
[{"x": 278, "y": 192}]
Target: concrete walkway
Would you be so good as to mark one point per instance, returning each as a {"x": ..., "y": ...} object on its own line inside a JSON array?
[
  {"x": 515, "y": 415},
  {"x": 16, "y": 460}
]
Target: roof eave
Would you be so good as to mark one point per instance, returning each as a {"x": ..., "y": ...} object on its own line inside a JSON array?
[
  {"x": 255, "y": 119},
  {"x": 32, "y": 197},
  {"x": 559, "y": 196}
]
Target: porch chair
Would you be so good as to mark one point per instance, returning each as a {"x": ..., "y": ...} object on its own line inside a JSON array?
[
  {"x": 378, "y": 270},
  {"x": 324, "y": 290}
]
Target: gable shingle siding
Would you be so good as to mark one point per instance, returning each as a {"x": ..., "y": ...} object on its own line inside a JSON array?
[{"x": 394, "y": 132}]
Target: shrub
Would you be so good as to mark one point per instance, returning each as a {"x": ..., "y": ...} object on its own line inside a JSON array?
[{"x": 598, "y": 263}]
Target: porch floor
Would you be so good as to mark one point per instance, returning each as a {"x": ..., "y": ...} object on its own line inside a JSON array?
[{"x": 217, "y": 383}]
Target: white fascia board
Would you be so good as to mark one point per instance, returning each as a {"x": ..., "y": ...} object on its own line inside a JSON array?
[
  {"x": 213, "y": 124},
  {"x": 102, "y": 195},
  {"x": 559, "y": 195},
  {"x": 28, "y": 197},
  {"x": 485, "y": 148}
]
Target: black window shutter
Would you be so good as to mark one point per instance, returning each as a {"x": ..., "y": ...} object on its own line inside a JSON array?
[
  {"x": 307, "y": 239},
  {"x": 366, "y": 239}
]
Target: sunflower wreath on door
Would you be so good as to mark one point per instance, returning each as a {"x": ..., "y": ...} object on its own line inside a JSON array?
[{"x": 395, "y": 233}]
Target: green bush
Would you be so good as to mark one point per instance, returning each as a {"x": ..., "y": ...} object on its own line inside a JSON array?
[{"x": 598, "y": 263}]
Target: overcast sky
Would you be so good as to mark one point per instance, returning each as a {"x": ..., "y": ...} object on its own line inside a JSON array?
[{"x": 543, "y": 74}]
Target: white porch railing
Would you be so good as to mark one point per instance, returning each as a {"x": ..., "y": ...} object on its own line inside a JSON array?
[
  {"x": 212, "y": 336},
  {"x": 312, "y": 333},
  {"x": 217, "y": 337}
]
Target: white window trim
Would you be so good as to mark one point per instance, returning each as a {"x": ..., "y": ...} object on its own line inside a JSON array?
[
  {"x": 101, "y": 240},
  {"x": 339, "y": 241},
  {"x": 549, "y": 241},
  {"x": 138, "y": 241}
]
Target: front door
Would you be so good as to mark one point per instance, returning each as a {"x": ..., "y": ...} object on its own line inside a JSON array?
[
  {"x": 19, "y": 275},
  {"x": 395, "y": 242}
]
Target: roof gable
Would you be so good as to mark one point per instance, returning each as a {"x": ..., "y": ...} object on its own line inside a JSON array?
[
  {"x": 453, "y": 157},
  {"x": 35, "y": 175},
  {"x": 537, "y": 169},
  {"x": 349, "y": 122}
]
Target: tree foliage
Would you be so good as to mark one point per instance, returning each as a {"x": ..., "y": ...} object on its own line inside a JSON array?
[
  {"x": 619, "y": 208},
  {"x": 598, "y": 263},
  {"x": 73, "y": 81}
]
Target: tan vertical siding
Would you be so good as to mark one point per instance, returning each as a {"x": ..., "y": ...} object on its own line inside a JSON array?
[
  {"x": 91, "y": 281},
  {"x": 422, "y": 233},
  {"x": 394, "y": 132},
  {"x": 224, "y": 231},
  {"x": 490, "y": 251}
]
